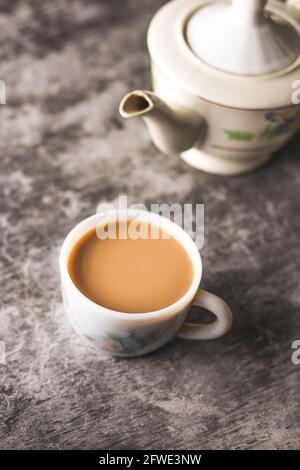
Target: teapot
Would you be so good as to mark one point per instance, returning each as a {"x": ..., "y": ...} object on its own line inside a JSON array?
[{"x": 224, "y": 75}]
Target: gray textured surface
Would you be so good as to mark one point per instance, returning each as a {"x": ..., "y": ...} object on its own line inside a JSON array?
[{"x": 63, "y": 150}]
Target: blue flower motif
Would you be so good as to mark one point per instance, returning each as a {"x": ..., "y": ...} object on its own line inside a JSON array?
[{"x": 272, "y": 116}]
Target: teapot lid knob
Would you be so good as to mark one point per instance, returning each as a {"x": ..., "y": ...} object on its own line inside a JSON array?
[
  {"x": 242, "y": 37},
  {"x": 250, "y": 5},
  {"x": 250, "y": 11}
]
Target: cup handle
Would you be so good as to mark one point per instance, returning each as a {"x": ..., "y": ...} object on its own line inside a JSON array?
[{"x": 219, "y": 327}]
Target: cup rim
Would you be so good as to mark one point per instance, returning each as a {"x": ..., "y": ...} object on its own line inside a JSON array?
[{"x": 172, "y": 228}]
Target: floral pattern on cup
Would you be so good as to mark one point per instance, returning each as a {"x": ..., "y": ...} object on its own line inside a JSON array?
[
  {"x": 132, "y": 343},
  {"x": 279, "y": 123}
]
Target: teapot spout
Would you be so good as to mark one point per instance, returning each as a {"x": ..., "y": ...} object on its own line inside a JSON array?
[{"x": 172, "y": 131}]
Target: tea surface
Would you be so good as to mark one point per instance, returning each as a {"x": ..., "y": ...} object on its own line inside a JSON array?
[{"x": 130, "y": 275}]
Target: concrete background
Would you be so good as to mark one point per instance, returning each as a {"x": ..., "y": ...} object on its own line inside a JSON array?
[{"x": 64, "y": 149}]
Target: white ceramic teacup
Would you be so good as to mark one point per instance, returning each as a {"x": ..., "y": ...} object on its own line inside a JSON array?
[{"x": 131, "y": 334}]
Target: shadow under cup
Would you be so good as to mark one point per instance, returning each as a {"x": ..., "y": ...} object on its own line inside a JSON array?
[{"x": 121, "y": 333}]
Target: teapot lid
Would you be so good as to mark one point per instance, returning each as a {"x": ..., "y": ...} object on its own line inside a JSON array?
[
  {"x": 262, "y": 80},
  {"x": 241, "y": 37}
]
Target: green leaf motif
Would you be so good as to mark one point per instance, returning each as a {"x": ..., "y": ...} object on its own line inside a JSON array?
[{"x": 238, "y": 135}]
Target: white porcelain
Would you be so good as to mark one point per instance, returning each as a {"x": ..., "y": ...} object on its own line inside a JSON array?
[
  {"x": 238, "y": 37},
  {"x": 219, "y": 122},
  {"x": 125, "y": 334}
]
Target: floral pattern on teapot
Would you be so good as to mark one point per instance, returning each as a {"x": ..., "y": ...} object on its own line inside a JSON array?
[{"x": 278, "y": 123}]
